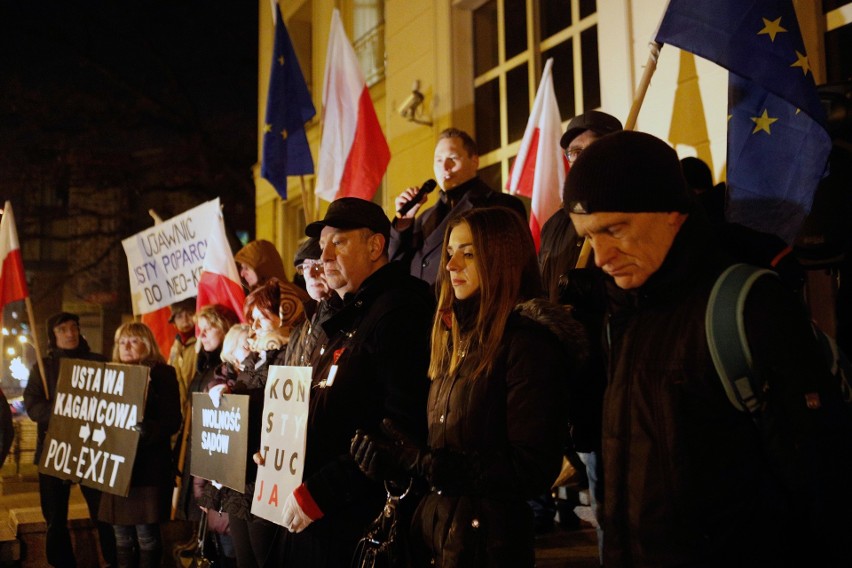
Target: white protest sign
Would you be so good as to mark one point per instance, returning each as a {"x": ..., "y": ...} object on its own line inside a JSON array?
[
  {"x": 282, "y": 440},
  {"x": 165, "y": 261}
]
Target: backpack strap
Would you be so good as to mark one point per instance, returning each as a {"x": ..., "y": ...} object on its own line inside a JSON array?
[{"x": 726, "y": 337}]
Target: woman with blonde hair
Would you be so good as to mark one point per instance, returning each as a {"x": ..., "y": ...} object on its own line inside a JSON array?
[
  {"x": 136, "y": 518},
  {"x": 502, "y": 360}
]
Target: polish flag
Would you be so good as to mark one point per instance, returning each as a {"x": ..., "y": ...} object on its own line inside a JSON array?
[
  {"x": 354, "y": 153},
  {"x": 13, "y": 282},
  {"x": 539, "y": 169},
  {"x": 164, "y": 331},
  {"x": 220, "y": 279}
]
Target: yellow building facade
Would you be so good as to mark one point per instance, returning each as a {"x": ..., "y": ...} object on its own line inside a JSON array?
[{"x": 477, "y": 64}]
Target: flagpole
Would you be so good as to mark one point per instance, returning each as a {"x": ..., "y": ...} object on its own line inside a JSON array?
[
  {"x": 36, "y": 347},
  {"x": 639, "y": 97},
  {"x": 305, "y": 208}
]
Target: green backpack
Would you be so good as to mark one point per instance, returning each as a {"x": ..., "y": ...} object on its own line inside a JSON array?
[{"x": 726, "y": 338}]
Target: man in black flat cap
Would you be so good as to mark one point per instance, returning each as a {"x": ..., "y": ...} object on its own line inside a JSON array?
[
  {"x": 560, "y": 246},
  {"x": 372, "y": 364},
  {"x": 689, "y": 479},
  {"x": 557, "y": 258},
  {"x": 64, "y": 341}
]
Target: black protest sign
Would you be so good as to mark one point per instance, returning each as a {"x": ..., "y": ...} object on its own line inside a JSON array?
[
  {"x": 220, "y": 439},
  {"x": 91, "y": 438}
]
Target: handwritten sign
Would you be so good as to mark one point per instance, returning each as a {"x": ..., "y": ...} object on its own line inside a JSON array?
[
  {"x": 220, "y": 439},
  {"x": 282, "y": 440},
  {"x": 91, "y": 438},
  {"x": 165, "y": 261}
]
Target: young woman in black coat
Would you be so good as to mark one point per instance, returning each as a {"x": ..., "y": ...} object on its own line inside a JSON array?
[{"x": 501, "y": 364}]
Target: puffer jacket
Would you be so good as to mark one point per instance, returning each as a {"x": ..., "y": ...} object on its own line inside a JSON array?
[{"x": 497, "y": 441}]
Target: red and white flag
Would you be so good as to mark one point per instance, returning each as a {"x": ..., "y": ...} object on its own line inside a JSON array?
[
  {"x": 13, "y": 281},
  {"x": 354, "y": 153},
  {"x": 220, "y": 279},
  {"x": 539, "y": 169}
]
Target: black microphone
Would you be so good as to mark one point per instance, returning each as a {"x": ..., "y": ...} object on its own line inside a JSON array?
[{"x": 427, "y": 187}]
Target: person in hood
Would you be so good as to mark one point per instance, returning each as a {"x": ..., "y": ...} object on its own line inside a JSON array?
[
  {"x": 501, "y": 368},
  {"x": 259, "y": 261},
  {"x": 64, "y": 340}
]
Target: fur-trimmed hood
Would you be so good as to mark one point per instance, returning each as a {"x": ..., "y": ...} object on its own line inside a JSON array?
[{"x": 558, "y": 319}]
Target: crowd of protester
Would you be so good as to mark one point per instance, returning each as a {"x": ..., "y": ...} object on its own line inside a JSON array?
[{"x": 455, "y": 365}]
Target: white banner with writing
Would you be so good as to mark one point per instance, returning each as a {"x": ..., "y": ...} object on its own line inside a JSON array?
[
  {"x": 282, "y": 439},
  {"x": 165, "y": 261}
]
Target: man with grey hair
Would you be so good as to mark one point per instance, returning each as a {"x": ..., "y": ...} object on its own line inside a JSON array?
[
  {"x": 371, "y": 364},
  {"x": 689, "y": 479}
]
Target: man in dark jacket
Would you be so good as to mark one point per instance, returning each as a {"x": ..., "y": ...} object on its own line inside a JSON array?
[
  {"x": 690, "y": 480},
  {"x": 371, "y": 365},
  {"x": 64, "y": 340},
  {"x": 417, "y": 241}
]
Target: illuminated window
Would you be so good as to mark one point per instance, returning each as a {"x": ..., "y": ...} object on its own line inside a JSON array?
[
  {"x": 368, "y": 38},
  {"x": 511, "y": 41}
]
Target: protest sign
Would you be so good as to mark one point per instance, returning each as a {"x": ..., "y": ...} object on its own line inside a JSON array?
[
  {"x": 165, "y": 261},
  {"x": 220, "y": 439},
  {"x": 91, "y": 438},
  {"x": 282, "y": 440}
]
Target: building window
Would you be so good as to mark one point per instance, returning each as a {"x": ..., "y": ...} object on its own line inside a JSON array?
[
  {"x": 838, "y": 39},
  {"x": 511, "y": 41},
  {"x": 368, "y": 33}
]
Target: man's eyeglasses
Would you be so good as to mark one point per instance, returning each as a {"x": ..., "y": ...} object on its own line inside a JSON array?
[
  {"x": 309, "y": 267},
  {"x": 572, "y": 154}
]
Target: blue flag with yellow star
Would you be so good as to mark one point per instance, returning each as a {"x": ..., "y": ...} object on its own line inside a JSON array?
[
  {"x": 778, "y": 146},
  {"x": 288, "y": 108}
]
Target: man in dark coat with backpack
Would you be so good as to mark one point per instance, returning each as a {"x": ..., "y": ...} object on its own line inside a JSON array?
[{"x": 690, "y": 479}]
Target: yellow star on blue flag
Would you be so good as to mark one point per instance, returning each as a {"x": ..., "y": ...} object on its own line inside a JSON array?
[
  {"x": 288, "y": 107},
  {"x": 778, "y": 146}
]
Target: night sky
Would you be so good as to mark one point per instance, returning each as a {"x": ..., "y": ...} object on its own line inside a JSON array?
[{"x": 158, "y": 97}]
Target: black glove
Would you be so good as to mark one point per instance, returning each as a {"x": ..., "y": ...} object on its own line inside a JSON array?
[{"x": 386, "y": 458}]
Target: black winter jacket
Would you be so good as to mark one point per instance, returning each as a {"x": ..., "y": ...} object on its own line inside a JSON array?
[
  {"x": 378, "y": 340},
  {"x": 419, "y": 247},
  {"x": 39, "y": 407},
  {"x": 689, "y": 480},
  {"x": 497, "y": 441}
]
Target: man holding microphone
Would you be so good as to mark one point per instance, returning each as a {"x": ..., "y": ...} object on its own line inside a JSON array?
[{"x": 417, "y": 241}]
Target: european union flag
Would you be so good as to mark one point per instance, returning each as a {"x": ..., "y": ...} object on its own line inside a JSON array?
[
  {"x": 288, "y": 108},
  {"x": 778, "y": 146}
]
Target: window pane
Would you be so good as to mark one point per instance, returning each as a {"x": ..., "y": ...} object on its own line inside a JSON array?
[
  {"x": 555, "y": 16},
  {"x": 563, "y": 76},
  {"x": 591, "y": 72},
  {"x": 838, "y": 63},
  {"x": 492, "y": 176},
  {"x": 515, "y": 27},
  {"x": 485, "y": 37},
  {"x": 517, "y": 101},
  {"x": 587, "y": 8},
  {"x": 487, "y": 113}
]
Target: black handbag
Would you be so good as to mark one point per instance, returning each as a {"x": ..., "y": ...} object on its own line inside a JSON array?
[{"x": 383, "y": 546}]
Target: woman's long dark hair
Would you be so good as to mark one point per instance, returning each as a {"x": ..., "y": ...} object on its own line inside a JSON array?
[{"x": 505, "y": 259}]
